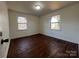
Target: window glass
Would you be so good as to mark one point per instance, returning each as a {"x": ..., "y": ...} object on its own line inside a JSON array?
[
  {"x": 22, "y": 23},
  {"x": 55, "y": 22}
]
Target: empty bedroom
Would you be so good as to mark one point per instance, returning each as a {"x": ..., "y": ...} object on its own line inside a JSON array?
[{"x": 39, "y": 29}]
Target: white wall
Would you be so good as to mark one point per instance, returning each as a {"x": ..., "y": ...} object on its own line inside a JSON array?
[
  {"x": 33, "y": 24},
  {"x": 69, "y": 26}
]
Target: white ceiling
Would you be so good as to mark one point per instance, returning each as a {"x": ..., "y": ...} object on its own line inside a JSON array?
[{"x": 46, "y": 6}]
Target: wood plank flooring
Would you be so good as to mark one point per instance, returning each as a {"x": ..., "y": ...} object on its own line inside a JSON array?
[{"x": 41, "y": 46}]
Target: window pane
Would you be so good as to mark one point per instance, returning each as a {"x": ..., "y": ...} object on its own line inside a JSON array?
[
  {"x": 22, "y": 20},
  {"x": 55, "y": 18},
  {"x": 55, "y": 26},
  {"x": 22, "y": 26}
]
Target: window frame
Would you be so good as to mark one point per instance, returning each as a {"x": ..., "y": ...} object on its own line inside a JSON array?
[
  {"x": 22, "y": 23},
  {"x": 59, "y": 22}
]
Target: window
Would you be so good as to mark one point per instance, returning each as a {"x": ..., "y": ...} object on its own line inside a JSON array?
[
  {"x": 55, "y": 22},
  {"x": 22, "y": 23}
]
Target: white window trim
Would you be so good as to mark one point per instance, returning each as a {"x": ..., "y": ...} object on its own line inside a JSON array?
[
  {"x": 22, "y": 23},
  {"x": 59, "y": 22}
]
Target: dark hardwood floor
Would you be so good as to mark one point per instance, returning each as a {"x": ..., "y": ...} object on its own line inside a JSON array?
[{"x": 41, "y": 46}]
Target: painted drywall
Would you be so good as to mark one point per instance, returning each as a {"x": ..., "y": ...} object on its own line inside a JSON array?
[
  {"x": 69, "y": 24},
  {"x": 33, "y": 24},
  {"x": 4, "y": 28}
]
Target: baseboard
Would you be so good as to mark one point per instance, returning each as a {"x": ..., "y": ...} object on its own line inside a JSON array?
[
  {"x": 60, "y": 39},
  {"x": 25, "y": 36},
  {"x": 45, "y": 35}
]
